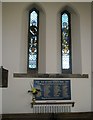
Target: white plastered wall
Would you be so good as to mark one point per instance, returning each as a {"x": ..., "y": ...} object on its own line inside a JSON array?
[
  {"x": 0, "y": 53},
  {"x": 15, "y": 97},
  {"x": 92, "y": 54}
]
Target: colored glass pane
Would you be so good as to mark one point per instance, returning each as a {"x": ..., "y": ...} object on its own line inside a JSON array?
[
  {"x": 65, "y": 35},
  {"x": 33, "y": 39}
]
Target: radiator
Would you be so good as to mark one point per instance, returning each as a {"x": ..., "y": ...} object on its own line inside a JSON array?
[{"x": 52, "y": 108}]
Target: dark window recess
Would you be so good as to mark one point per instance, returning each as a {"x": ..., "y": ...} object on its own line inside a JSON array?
[
  {"x": 3, "y": 77},
  {"x": 33, "y": 40},
  {"x": 66, "y": 60}
]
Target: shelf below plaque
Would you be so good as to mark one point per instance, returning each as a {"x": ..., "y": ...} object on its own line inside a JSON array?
[{"x": 52, "y": 102}]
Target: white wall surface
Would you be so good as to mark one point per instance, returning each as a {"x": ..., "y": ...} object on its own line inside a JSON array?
[
  {"x": 0, "y": 53},
  {"x": 15, "y": 97},
  {"x": 0, "y": 33},
  {"x": 92, "y": 54}
]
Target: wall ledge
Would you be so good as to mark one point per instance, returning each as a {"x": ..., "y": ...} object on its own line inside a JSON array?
[{"x": 40, "y": 75}]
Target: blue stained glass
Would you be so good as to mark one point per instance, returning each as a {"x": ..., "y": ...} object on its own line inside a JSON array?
[
  {"x": 33, "y": 18},
  {"x": 33, "y": 39},
  {"x": 64, "y": 20},
  {"x": 65, "y": 41}
]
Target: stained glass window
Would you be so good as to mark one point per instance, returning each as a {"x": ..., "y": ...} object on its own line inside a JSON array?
[
  {"x": 66, "y": 42},
  {"x": 33, "y": 38}
]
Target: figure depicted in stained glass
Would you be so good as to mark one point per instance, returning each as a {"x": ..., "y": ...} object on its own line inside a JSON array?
[
  {"x": 33, "y": 39},
  {"x": 66, "y": 41}
]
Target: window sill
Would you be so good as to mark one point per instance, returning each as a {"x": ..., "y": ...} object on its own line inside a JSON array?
[{"x": 39, "y": 75}]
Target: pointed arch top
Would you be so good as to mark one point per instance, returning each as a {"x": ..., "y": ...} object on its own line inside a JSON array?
[
  {"x": 38, "y": 6},
  {"x": 70, "y": 9}
]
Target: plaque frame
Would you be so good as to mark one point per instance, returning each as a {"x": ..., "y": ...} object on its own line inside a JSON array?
[{"x": 48, "y": 92}]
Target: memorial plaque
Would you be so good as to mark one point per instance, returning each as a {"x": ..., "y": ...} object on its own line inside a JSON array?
[{"x": 53, "y": 89}]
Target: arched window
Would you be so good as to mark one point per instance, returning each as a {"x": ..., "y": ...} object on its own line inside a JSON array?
[
  {"x": 66, "y": 60},
  {"x": 33, "y": 39}
]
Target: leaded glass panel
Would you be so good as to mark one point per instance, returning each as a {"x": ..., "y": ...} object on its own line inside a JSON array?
[
  {"x": 33, "y": 39},
  {"x": 66, "y": 42}
]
